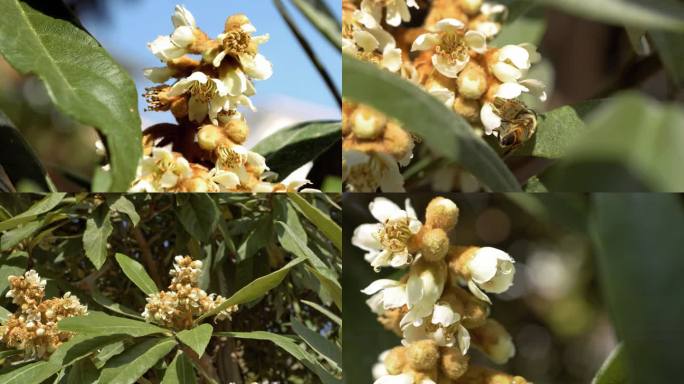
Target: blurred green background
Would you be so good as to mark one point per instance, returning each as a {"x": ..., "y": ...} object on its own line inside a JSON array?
[{"x": 586, "y": 265}]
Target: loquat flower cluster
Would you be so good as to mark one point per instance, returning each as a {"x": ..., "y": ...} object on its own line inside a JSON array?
[
  {"x": 440, "y": 307},
  {"x": 33, "y": 327},
  {"x": 447, "y": 52},
  {"x": 184, "y": 301},
  {"x": 204, "y": 82}
]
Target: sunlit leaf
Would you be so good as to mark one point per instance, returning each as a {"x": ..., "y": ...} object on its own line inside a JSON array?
[
  {"x": 97, "y": 231},
  {"x": 613, "y": 370},
  {"x": 123, "y": 205},
  {"x": 127, "y": 367},
  {"x": 324, "y": 223},
  {"x": 320, "y": 344},
  {"x": 199, "y": 215},
  {"x": 196, "y": 338},
  {"x": 46, "y": 204},
  {"x": 97, "y": 323},
  {"x": 136, "y": 273},
  {"x": 30, "y": 373},
  {"x": 180, "y": 371},
  {"x": 322, "y": 17},
  {"x": 80, "y": 76}
]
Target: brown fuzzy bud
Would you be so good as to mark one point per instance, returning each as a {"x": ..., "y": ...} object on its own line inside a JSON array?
[
  {"x": 179, "y": 108},
  {"x": 468, "y": 108},
  {"x": 236, "y": 21},
  {"x": 367, "y": 123},
  {"x": 441, "y": 213},
  {"x": 434, "y": 244},
  {"x": 397, "y": 141},
  {"x": 453, "y": 363},
  {"x": 481, "y": 375},
  {"x": 494, "y": 340},
  {"x": 470, "y": 7},
  {"x": 237, "y": 130},
  {"x": 472, "y": 81},
  {"x": 396, "y": 360},
  {"x": 391, "y": 319},
  {"x": 422, "y": 355},
  {"x": 210, "y": 136}
]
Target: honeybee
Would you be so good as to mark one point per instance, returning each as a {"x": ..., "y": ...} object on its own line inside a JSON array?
[{"x": 518, "y": 122}]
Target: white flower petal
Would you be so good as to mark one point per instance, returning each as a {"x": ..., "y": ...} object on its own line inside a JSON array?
[
  {"x": 476, "y": 40},
  {"x": 447, "y": 25},
  {"x": 447, "y": 68},
  {"x": 379, "y": 285},
  {"x": 383, "y": 209},
  {"x": 424, "y": 42},
  {"x": 490, "y": 120},
  {"x": 364, "y": 237}
]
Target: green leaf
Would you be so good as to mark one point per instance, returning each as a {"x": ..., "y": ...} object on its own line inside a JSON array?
[
  {"x": 290, "y": 148},
  {"x": 257, "y": 239},
  {"x": 30, "y": 373},
  {"x": 255, "y": 289},
  {"x": 11, "y": 238},
  {"x": 123, "y": 205},
  {"x": 286, "y": 212},
  {"x": 136, "y": 273},
  {"x": 656, "y": 14},
  {"x": 18, "y": 159},
  {"x": 196, "y": 338},
  {"x": 129, "y": 366},
  {"x": 325, "y": 275},
  {"x": 529, "y": 27},
  {"x": 4, "y": 315},
  {"x": 110, "y": 304},
  {"x": 324, "y": 223},
  {"x": 638, "y": 244},
  {"x": 98, "y": 323},
  {"x": 46, "y": 204},
  {"x": 83, "y": 372},
  {"x": 324, "y": 311},
  {"x": 180, "y": 371},
  {"x": 320, "y": 344},
  {"x": 9, "y": 352},
  {"x": 557, "y": 131},
  {"x": 320, "y": 15},
  {"x": 632, "y": 144},
  {"x": 199, "y": 215},
  {"x": 81, "y": 346},
  {"x": 670, "y": 48},
  {"x": 446, "y": 133},
  {"x": 290, "y": 346},
  {"x": 97, "y": 231},
  {"x": 80, "y": 76},
  {"x": 613, "y": 370}
]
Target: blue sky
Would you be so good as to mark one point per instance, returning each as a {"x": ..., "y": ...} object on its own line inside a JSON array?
[{"x": 133, "y": 24}]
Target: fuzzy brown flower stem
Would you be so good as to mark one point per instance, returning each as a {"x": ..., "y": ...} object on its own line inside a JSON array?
[
  {"x": 147, "y": 256},
  {"x": 309, "y": 51}
]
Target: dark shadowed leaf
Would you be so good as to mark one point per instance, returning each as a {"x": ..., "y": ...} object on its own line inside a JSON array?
[
  {"x": 199, "y": 215},
  {"x": 81, "y": 78},
  {"x": 670, "y": 46},
  {"x": 639, "y": 242},
  {"x": 322, "y": 17},
  {"x": 180, "y": 371},
  {"x": 18, "y": 159},
  {"x": 323, "y": 222},
  {"x": 30, "y": 373},
  {"x": 83, "y": 372},
  {"x": 46, "y": 204},
  {"x": 290, "y": 148},
  {"x": 320, "y": 344},
  {"x": 657, "y": 14},
  {"x": 613, "y": 370},
  {"x": 127, "y": 367}
]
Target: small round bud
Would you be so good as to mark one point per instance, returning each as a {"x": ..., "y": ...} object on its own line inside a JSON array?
[
  {"x": 367, "y": 123},
  {"x": 40, "y": 331},
  {"x": 472, "y": 81},
  {"x": 237, "y": 130},
  {"x": 209, "y": 136},
  {"x": 434, "y": 244},
  {"x": 422, "y": 355},
  {"x": 494, "y": 340},
  {"x": 236, "y": 21},
  {"x": 395, "y": 361},
  {"x": 471, "y": 7},
  {"x": 441, "y": 213},
  {"x": 196, "y": 184},
  {"x": 468, "y": 108},
  {"x": 453, "y": 363}
]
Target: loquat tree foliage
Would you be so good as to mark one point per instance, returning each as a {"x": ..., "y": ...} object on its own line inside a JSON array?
[{"x": 154, "y": 288}]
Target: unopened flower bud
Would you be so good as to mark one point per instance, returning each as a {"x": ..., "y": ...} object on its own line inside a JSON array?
[
  {"x": 367, "y": 123},
  {"x": 422, "y": 355},
  {"x": 493, "y": 339},
  {"x": 468, "y": 108},
  {"x": 236, "y": 21},
  {"x": 434, "y": 244},
  {"x": 237, "y": 130},
  {"x": 396, "y": 361},
  {"x": 209, "y": 137},
  {"x": 40, "y": 331},
  {"x": 453, "y": 363},
  {"x": 471, "y": 7},
  {"x": 472, "y": 81},
  {"x": 441, "y": 213}
]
